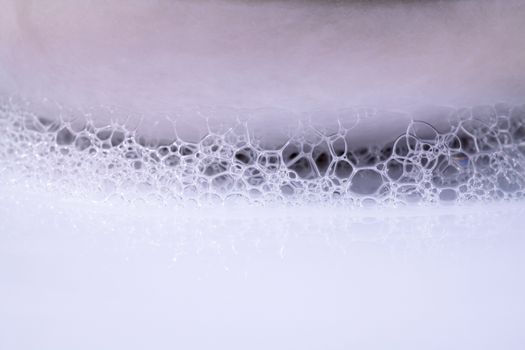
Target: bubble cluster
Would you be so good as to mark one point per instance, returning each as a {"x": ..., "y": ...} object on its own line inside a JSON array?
[{"x": 480, "y": 156}]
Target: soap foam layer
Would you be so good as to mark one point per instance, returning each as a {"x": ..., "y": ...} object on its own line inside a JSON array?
[{"x": 479, "y": 155}]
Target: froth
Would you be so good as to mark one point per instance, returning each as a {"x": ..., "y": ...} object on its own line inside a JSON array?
[{"x": 478, "y": 155}]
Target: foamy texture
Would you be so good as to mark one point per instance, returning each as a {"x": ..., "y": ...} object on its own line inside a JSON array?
[{"x": 480, "y": 157}]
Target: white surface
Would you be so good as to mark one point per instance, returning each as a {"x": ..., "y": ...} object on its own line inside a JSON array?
[
  {"x": 156, "y": 56},
  {"x": 77, "y": 274}
]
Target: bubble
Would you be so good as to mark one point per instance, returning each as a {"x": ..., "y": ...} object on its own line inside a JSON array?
[
  {"x": 339, "y": 146},
  {"x": 423, "y": 132},
  {"x": 223, "y": 183},
  {"x": 163, "y": 151},
  {"x": 188, "y": 149},
  {"x": 214, "y": 166},
  {"x": 254, "y": 176},
  {"x": 65, "y": 137},
  {"x": 509, "y": 182},
  {"x": 448, "y": 194},
  {"x": 104, "y": 133},
  {"x": 343, "y": 169},
  {"x": 394, "y": 169},
  {"x": 117, "y": 138},
  {"x": 131, "y": 155},
  {"x": 291, "y": 152},
  {"x": 172, "y": 160},
  {"x": 246, "y": 155},
  {"x": 269, "y": 161},
  {"x": 303, "y": 168},
  {"x": 287, "y": 190},
  {"x": 322, "y": 156},
  {"x": 82, "y": 143},
  {"x": 366, "y": 182}
]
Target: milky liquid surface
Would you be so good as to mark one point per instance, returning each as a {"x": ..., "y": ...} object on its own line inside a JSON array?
[{"x": 81, "y": 274}]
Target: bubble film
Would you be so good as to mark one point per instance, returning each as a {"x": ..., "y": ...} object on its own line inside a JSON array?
[{"x": 478, "y": 155}]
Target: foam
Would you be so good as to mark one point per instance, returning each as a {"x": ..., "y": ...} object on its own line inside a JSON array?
[{"x": 479, "y": 155}]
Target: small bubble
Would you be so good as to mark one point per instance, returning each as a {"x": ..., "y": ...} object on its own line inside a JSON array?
[
  {"x": 65, "y": 137},
  {"x": 172, "y": 160},
  {"x": 82, "y": 143}
]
